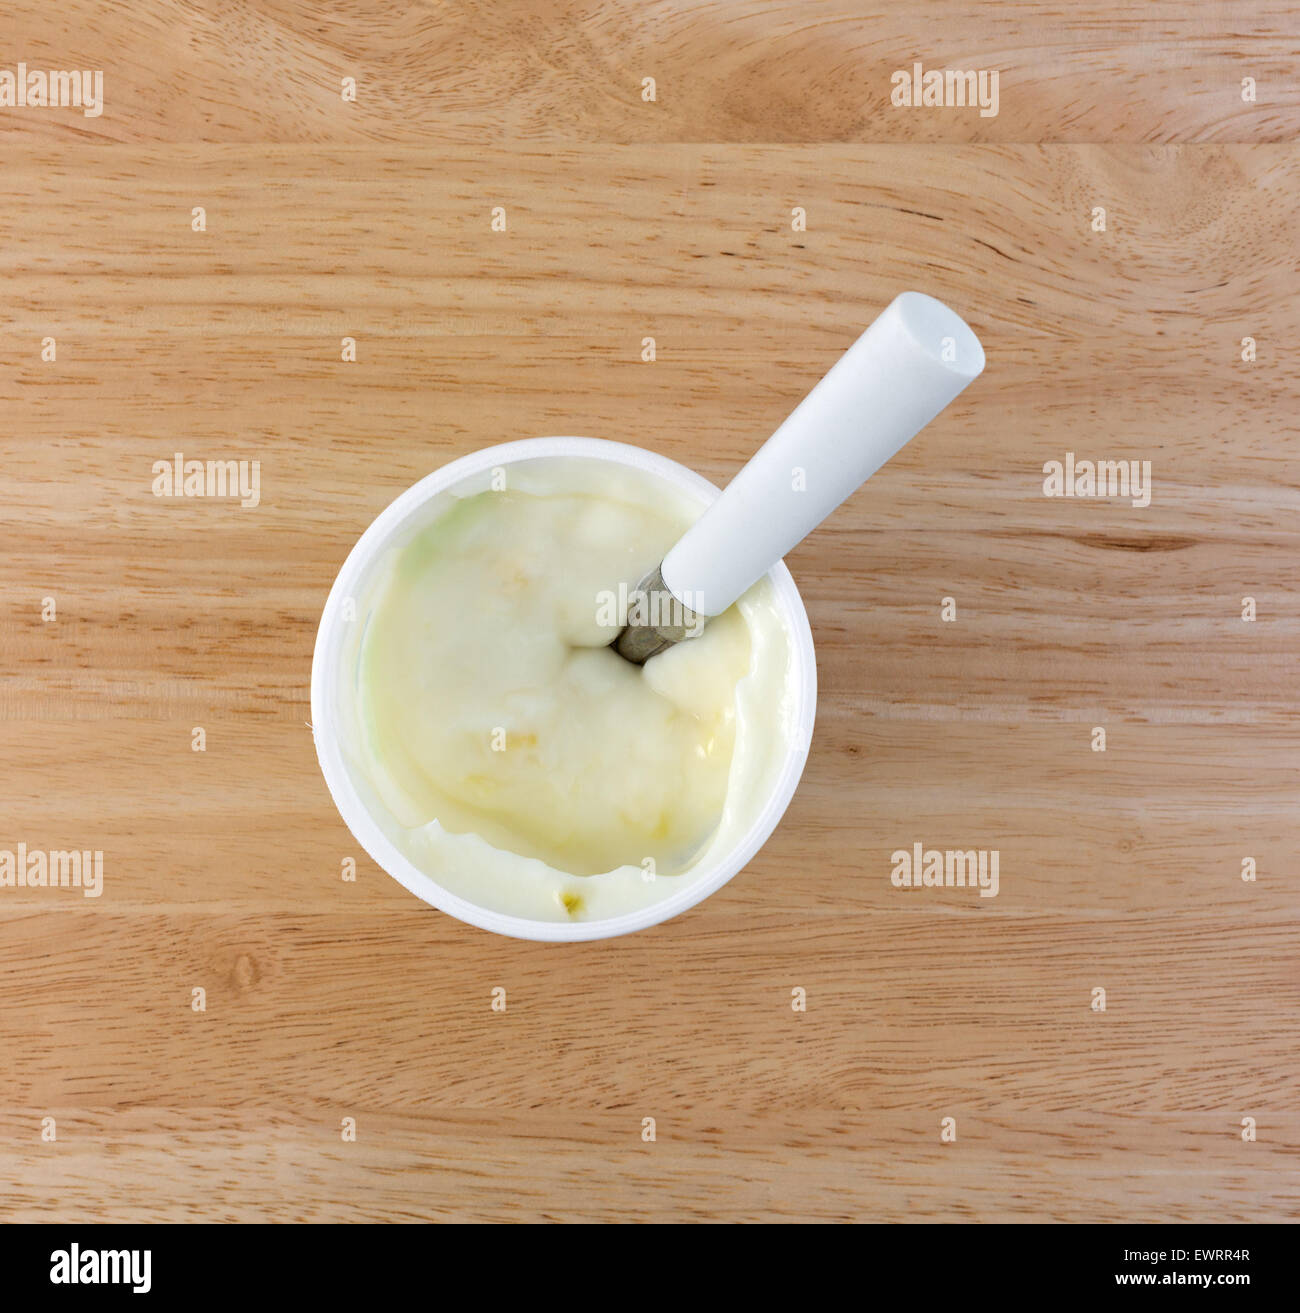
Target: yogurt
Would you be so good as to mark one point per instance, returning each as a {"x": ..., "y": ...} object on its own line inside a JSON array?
[{"x": 518, "y": 759}]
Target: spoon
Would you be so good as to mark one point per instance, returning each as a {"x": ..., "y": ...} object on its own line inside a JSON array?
[{"x": 912, "y": 361}]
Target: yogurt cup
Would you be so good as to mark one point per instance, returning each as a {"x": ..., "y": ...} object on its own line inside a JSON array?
[{"x": 355, "y": 800}]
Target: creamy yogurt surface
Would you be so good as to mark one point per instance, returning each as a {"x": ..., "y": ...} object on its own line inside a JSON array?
[{"x": 522, "y": 762}]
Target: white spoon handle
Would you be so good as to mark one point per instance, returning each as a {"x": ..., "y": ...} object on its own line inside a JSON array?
[{"x": 915, "y": 358}]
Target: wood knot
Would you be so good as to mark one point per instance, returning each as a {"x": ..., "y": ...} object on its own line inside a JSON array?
[{"x": 246, "y": 973}]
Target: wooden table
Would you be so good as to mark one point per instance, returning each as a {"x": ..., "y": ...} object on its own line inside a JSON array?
[{"x": 625, "y": 219}]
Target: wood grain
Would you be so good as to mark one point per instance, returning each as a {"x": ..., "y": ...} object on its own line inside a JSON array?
[
  {"x": 328, "y": 999},
  {"x": 471, "y": 71}
]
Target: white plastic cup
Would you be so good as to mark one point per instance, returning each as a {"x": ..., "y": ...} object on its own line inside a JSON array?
[{"x": 327, "y": 689}]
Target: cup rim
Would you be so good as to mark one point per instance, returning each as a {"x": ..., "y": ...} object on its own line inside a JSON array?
[{"x": 366, "y": 830}]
